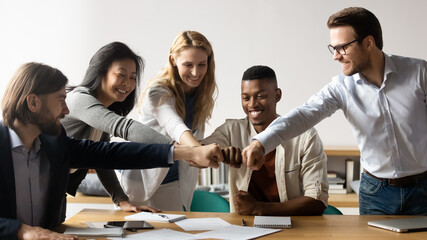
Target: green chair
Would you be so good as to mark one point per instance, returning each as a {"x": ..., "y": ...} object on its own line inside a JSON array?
[
  {"x": 331, "y": 210},
  {"x": 204, "y": 201}
]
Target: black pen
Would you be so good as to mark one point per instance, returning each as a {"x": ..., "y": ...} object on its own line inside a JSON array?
[{"x": 243, "y": 222}]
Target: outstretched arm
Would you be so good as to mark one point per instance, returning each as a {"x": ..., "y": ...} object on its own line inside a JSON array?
[
  {"x": 188, "y": 139},
  {"x": 318, "y": 107},
  {"x": 87, "y": 109},
  {"x": 246, "y": 204},
  {"x": 203, "y": 156},
  {"x": 221, "y": 136}
]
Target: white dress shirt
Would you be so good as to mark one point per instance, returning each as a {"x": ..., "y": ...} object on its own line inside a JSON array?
[{"x": 390, "y": 122}]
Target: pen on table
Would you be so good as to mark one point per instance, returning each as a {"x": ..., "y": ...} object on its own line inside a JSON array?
[
  {"x": 158, "y": 214},
  {"x": 163, "y": 216},
  {"x": 243, "y": 222}
]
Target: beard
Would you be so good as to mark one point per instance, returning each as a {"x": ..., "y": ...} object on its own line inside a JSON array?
[
  {"x": 358, "y": 65},
  {"x": 351, "y": 71},
  {"x": 46, "y": 122}
]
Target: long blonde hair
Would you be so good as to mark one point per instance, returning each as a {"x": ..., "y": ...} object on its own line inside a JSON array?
[{"x": 169, "y": 78}]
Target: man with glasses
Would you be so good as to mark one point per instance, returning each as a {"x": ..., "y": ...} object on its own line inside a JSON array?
[{"x": 384, "y": 99}]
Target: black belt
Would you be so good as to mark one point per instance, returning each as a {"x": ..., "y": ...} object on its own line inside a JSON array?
[{"x": 407, "y": 181}]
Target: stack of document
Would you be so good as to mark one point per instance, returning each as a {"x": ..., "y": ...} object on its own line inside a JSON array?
[
  {"x": 156, "y": 217},
  {"x": 95, "y": 232}
]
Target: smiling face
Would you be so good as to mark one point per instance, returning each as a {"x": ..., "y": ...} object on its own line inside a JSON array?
[
  {"x": 52, "y": 110},
  {"x": 356, "y": 59},
  {"x": 192, "y": 65},
  {"x": 118, "y": 83},
  {"x": 259, "y": 99}
]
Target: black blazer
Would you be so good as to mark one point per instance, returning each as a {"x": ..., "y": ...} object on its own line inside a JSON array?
[{"x": 64, "y": 153}]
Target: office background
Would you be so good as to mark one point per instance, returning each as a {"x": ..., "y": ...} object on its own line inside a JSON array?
[{"x": 289, "y": 36}]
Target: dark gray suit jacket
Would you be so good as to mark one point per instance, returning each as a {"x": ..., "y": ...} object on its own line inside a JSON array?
[{"x": 64, "y": 153}]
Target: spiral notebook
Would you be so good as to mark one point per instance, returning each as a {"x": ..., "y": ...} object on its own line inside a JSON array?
[{"x": 272, "y": 222}]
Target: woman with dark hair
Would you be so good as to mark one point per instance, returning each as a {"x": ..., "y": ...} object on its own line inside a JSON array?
[{"x": 98, "y": 109}]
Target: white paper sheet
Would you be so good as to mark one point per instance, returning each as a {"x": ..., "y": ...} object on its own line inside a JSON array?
[
  {"x": 161, "y": 234},
  {"x": 237, "y": 233},
  {"x": 202, "y": 224}
]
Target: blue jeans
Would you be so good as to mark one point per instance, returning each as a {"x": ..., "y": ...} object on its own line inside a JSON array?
[{"x": 376, "y": 197}]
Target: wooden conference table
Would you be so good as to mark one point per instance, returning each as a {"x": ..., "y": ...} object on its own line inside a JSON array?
[{"x": 346, "y": 227}]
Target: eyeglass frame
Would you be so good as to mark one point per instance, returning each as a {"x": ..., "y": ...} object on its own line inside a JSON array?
[{"x": 332, "y": 49}]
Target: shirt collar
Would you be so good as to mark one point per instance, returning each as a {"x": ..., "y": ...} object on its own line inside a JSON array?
[
  {"x": 357, "y": 78},
  {"x": 15, "y": 141},
  {"x": 389, "y": 67}
]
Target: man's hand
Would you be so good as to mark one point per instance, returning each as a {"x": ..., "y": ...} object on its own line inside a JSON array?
[
  {"x": 202, "y": 156},
  {"x": 246, "y": 204},
  {"x": 253, "y": 155},
  {"x": 129, "y": 207},
  {"x": 26, "y": 232},
  {"x": 208, "y": 156},
  {"x": 232, "y": 156}
]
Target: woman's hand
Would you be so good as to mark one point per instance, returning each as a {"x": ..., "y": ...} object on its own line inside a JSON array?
[{"x": 129, "y": 207}]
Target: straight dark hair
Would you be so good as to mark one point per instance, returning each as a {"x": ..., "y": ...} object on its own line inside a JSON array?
[
  {"x": 30, "y": 78},
  {"x": 361, "y": 20},
  {"x": 98, "y": 68}
]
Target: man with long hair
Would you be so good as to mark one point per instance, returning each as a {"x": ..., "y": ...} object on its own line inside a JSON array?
[{"x": 36, "y": 154}]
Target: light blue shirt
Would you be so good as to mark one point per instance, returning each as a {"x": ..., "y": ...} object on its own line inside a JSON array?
[
  {"x": 390, "y": 122},
  {"x": 31, "y": 169}
]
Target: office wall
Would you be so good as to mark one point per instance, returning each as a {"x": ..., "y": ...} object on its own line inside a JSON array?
[{"x": 289, "y": 36}]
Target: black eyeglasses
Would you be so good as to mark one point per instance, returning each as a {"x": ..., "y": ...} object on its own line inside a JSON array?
[{"x": 340, "y": 49}]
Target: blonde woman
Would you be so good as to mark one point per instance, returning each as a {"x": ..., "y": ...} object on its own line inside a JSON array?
[{"x": 177, "y": 102}]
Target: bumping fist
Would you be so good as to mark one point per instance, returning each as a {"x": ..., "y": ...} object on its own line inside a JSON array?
[
  {"x": 253, "y": 155},
  {"x": 200, "y": 156},
  {"x": 232, "y": 156}
]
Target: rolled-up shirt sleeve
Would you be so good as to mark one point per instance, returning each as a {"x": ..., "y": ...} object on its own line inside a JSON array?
[{"x": 314, "y": 168}]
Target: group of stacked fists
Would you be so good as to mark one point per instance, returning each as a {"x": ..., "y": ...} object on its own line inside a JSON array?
[{"x": 211, "y": 155}]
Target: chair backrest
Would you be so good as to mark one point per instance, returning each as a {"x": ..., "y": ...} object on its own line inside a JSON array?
[
  {"x": 204, "y": 201},
  {"x": 331, "y": 210}
]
